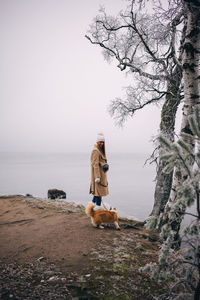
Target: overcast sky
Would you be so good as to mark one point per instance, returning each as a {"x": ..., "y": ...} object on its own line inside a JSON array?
[{"x": 55, "y": 87}]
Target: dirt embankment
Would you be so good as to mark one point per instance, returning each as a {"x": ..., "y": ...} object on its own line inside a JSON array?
[{"x": 49, "y": 250}]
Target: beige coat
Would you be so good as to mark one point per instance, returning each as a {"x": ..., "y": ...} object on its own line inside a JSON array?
[{"x": 98, "y": 160}]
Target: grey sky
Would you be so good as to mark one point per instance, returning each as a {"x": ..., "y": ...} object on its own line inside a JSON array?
[{"x": 55, "y": 87}]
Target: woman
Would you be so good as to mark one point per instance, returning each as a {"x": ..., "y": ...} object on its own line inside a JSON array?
[{"x": 99, "y": 167}]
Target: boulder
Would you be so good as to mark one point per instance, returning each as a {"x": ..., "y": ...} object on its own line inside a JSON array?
[
  {"x": 29, "y": 195},
  {"x": 56, "y": 194}
]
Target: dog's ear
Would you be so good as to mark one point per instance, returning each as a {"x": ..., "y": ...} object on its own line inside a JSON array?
[{"x": 112, "y": 208}]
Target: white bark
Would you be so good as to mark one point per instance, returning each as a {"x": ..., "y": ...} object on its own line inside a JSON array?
[{"x": 191, "y": 62}]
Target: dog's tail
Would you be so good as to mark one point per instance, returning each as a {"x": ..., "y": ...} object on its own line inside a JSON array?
[{"x": 89, "y": 209}]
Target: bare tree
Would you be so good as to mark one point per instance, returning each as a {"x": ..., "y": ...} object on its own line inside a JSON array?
[{"x": 149, "y": 47}]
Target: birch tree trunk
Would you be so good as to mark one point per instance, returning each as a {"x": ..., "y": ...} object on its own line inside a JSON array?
[
  {"x": 168, "y": 116},
  {"x": 191, "y": 79}
]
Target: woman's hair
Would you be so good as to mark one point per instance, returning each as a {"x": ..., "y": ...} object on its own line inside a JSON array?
[{"x": 102, "y": 149}]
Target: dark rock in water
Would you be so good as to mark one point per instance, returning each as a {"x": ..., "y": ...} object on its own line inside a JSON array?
[
  {"x": 54, "y": 194},
  {"x": 29, "y": 195}
]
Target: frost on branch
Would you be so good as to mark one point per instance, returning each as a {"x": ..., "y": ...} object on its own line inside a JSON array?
[
  {"x": 146, "y": 46},
  {"x": 182, "y": 266}
]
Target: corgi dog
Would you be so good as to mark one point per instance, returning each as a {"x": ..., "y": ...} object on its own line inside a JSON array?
[{"x": 100, "y": 216}]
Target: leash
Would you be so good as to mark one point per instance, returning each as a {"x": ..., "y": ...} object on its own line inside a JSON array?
[{"x": 104, "y": 205}]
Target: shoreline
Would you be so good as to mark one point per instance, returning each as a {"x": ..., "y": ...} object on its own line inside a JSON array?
[{"x": 63, "y": 205}]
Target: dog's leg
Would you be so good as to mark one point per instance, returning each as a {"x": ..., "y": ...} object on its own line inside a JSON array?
[
  {"x": 116, "y": 225},
  {"x": 94, "y": 224},
  {"x": 97, "y": 225}
]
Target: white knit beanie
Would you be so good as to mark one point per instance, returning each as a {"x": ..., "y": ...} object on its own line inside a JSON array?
[{"x": 100, "y": 137}]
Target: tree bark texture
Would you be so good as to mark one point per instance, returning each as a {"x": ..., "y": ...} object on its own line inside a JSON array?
[
  {"x": 168, "y": 117},
  {"x": 191, "y": 61}
]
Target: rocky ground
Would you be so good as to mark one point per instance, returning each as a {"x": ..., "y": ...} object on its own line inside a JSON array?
[{"x": 49, "y": 250}]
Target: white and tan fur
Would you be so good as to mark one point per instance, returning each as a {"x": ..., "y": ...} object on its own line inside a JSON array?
[{"x": 101, "y": 216}]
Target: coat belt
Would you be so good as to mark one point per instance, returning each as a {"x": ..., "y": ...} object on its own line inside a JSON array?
[{"x": 103, "y": 184}]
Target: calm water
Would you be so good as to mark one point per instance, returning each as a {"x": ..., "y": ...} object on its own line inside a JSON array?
[{"x": 131, "y": 185}]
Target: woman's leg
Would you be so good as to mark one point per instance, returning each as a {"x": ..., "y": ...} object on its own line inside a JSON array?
[{"x": 97, "y": 200}]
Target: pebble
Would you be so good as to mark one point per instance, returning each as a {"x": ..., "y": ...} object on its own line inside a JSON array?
[{"x": 40, "y": 258}]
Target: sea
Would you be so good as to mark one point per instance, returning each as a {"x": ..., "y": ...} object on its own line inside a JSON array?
[{"x": 131, "y": 181}]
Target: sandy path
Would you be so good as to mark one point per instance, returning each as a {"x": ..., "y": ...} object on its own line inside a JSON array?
[{"x": 28, "y": 233}]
